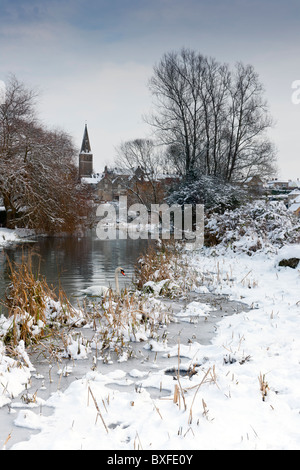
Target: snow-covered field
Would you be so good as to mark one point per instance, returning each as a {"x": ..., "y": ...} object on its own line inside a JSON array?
[{"x": 245, "y": 393}]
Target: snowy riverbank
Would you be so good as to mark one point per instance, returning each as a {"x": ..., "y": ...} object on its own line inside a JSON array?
[
  {"x": 244, "y": 393},
  {"x": 14, "y": 236},
  {"x": 7, "y": 236}
]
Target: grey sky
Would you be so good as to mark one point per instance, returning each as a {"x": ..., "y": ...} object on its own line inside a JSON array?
[{"x": 91, "y": 59}]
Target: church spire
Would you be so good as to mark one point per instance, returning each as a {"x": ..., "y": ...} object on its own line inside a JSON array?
[
  {"x": 85, "y": 146},
  {"x": 85, "y": 156}
]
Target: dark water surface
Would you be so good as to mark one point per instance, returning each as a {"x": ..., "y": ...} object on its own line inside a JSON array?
[{"x": 76, "y": 263}]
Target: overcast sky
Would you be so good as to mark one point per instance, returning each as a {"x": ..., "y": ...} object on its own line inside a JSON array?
[{"x": 92, "y": 59}]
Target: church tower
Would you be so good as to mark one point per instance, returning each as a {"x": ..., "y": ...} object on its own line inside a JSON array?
[{"x": 85, "y": 157}]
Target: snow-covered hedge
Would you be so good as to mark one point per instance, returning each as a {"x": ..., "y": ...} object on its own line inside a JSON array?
[
  {"x": 252, "y": 227},
  {"x": 214, "y": 193}
]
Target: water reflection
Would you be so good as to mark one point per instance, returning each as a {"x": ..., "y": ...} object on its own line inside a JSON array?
[{"x": 77, "y": 263}]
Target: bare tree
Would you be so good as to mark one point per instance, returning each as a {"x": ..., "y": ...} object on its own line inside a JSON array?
[
  {"x": 213, "y": 120},
  {"x": 177, "y": 86},
  {"x": 142, "y": 154},
  {"x": 248, "y": 149},
  {"x": 38, "y": 178}
]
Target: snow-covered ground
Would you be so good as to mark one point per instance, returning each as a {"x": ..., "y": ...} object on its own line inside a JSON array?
[
  {"x": 7, "y": 236},
  {"x": 244, "y": 394},
  {"x": 11, "y": 236}
]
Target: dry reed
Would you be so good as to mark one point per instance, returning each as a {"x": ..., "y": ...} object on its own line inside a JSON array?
[
  {"x": 125, "y": 318},
  {"x": 263, "y": 385},
  {"x": 97, "y": 408},
  {"x": 164, "y": 263},
  {"x": 30, "y": 302}
]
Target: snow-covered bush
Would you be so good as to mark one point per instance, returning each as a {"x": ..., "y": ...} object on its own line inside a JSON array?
[
  {"x": 214, "y": 193},
  {"x": 253, "y": 227}
]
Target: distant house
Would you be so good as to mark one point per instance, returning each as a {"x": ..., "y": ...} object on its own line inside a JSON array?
[
  {"x": 277, "y": 184},
  {"x": 254, "y": 181},
  {"x": 285, "y": 191},
  {"x": 255, "y": 184},
  {"x": 294, "y": 184},
  {"x": 294, "y": 206},
  {"x": 115, "y": 182},
  {"x": 293, "y": 195}
]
